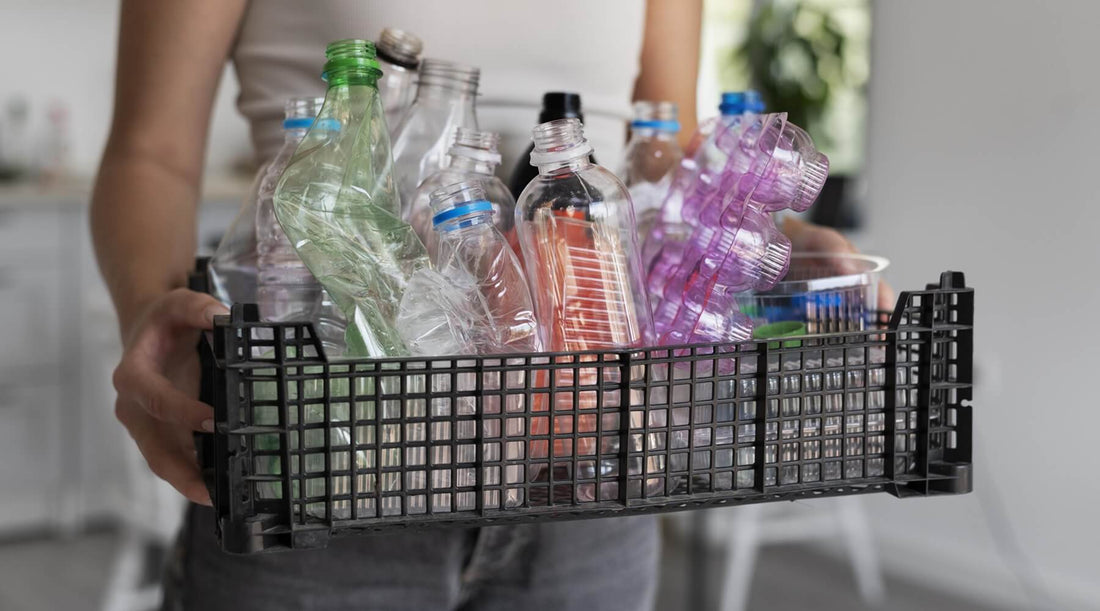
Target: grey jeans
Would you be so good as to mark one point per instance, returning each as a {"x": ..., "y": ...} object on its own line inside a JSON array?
[{"x": 603, "y": 564}]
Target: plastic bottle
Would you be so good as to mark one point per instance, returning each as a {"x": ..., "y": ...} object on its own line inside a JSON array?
[
  {"x": 398, "y": 57},
  {"x": 445, "y": 101},
  {"x": 577, "y": 229},
  {"x": 579, "y": 237},
  {"x": 232, "y": 268},
  {"x": 337, "y": 202},
  {"x": 474, "y": 158},
  {"x": 652, "y": 154},
  {"x": 555, "y": 105},
  {"x": 495, "y": 314}
]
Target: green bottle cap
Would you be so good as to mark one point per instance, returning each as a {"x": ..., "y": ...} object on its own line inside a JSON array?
[
  {"x": 789, "y": 328},
  {"x": 350, "y": 60}
]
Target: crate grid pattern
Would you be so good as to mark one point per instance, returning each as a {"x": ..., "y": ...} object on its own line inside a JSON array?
[{"x": 305, "y": 448}]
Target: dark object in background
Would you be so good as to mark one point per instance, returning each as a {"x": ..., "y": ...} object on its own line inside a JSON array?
[
  {"x": 555, "y": 105},
  {"x": 835, "y": 206}
]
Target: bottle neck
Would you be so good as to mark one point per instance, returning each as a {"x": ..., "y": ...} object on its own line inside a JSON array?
[
  {"x": 477, "y": 166},
  {"x": 464, "y": 226},
  {"x": 575, "y": 164},
  {"x": 294, "y": 135}
]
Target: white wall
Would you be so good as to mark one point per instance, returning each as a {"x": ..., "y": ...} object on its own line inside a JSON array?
[
  {"x": 983, "y": 157},
  {"x": 65, "y": 50}
]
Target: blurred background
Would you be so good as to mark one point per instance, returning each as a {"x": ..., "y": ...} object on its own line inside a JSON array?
[{"x": 963, "y": 136}]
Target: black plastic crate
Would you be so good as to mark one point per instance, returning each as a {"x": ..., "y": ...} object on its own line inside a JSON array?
[{"x": 305, "y": 449}]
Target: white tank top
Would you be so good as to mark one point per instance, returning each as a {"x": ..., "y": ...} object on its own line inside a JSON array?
[{"x": 524, "y": 49}]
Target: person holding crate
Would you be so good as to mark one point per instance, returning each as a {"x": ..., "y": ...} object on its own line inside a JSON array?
[{"x": 170, "y": 57}]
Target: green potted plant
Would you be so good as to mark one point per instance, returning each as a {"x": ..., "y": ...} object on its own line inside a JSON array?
[{"x": 807, "y": 59}]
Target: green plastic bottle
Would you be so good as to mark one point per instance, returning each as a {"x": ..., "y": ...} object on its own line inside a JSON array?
[{"x": 338, "y": 204}]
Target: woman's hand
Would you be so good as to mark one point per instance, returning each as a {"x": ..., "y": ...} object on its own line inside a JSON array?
[
  {"x": 807, "y": 237},
  {"x": 157, "y": 381}
]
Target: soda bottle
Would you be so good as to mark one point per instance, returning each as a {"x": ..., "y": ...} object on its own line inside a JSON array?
[
  {"x": 445, "y": 101},
  {"x": 473, "y": 158},
  {"x": 652, "y": 154},
  {"x": 398, "y": 58}
]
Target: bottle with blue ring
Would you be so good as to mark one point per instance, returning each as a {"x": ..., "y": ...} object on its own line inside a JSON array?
[{"x": 651, "y": 157}]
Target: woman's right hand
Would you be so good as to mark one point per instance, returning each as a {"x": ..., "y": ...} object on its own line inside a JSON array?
[{"x": 158, "y": 381}]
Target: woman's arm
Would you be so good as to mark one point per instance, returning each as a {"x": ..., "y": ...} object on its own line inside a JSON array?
[
  {"x": 170, "y": 57},
  {"x": 670, "y": 57}
]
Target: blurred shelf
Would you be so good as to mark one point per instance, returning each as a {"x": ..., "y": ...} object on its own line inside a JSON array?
[{"x": 75, "y": 192}]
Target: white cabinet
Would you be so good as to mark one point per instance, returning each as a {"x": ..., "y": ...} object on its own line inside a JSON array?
[{"x": 63, "y": 457}]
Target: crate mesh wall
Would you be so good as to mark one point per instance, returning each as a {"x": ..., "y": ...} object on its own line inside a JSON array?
[{"x": 305, "y": 448}]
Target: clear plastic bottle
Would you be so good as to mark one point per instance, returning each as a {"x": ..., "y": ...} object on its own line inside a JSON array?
[
  {"x": 555, "y": 105},
  {"x": 232, "y": 268},
  {"x": 398, "y": 57},
  {"x": 285, "y": 288},
  {"x": 474, "y": 158},
  {"x": 496, "y": 314},
  {"x": 579, "y": 237},
  {"x": 337, "y": 203},
  {"x": 652, "y": 155},
  {"x": 445, "y": 101},
  {"x": 577, "y": 229}
]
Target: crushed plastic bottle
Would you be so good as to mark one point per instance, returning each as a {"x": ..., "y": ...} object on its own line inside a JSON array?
[
  {"x": 445, "y": 100},
  {"x": 652, "y": 155},
  {"x": 398, "y": 58},
  {"x": 771, "y": 165},
  {"x": 491, "y": 310},
  {"x": 337, "y": 202},
  {"x": 473, "y": 157}
]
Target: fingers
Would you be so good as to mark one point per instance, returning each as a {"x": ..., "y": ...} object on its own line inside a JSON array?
[
  {"x": 191, "y": 309},
  {"x": 156, "y": 395},
  {"x": 887, "y": 298},
  {"x": 166, "y": 459}
]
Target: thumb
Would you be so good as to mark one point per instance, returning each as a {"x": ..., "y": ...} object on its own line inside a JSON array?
[{"x": 192, "y": 309}]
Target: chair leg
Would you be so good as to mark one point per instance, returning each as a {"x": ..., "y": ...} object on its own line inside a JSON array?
[
  {"x": 856, "y": 530},
  {"x": 742, "y": 546}
]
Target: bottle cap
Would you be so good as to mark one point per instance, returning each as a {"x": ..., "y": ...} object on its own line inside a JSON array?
[
  {"x": 738, "y": 102},
  {"x": 560, "y": 105}
]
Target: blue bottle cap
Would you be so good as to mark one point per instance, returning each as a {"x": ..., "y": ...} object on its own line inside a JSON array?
[{"x": 737, "y": 102}]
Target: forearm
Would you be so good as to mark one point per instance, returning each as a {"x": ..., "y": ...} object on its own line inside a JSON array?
[
  {"x": 670, "y": 58},
  {"x": 143, "y": 228}
]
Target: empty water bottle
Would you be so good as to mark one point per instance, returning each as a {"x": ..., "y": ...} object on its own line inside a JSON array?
[
  {"x": 445, "y": 101},
  {"x": 555, "y": 105},
  {"x": 473, "y": 158},
  {"x": 652, "y": 154},
  {"x": 580, "y": 244},
  {"x": 285, "y": 288},
  {"x": 491, "y": 312},
  {"x": 398, "y": 58},
  {"x": 337, "y": 203}
]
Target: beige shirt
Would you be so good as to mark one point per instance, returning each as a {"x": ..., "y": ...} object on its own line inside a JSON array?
[{"x": 524, "y": 49}]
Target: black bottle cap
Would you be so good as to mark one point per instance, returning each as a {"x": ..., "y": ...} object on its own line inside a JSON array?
[{"x": 560, "y": 105}]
